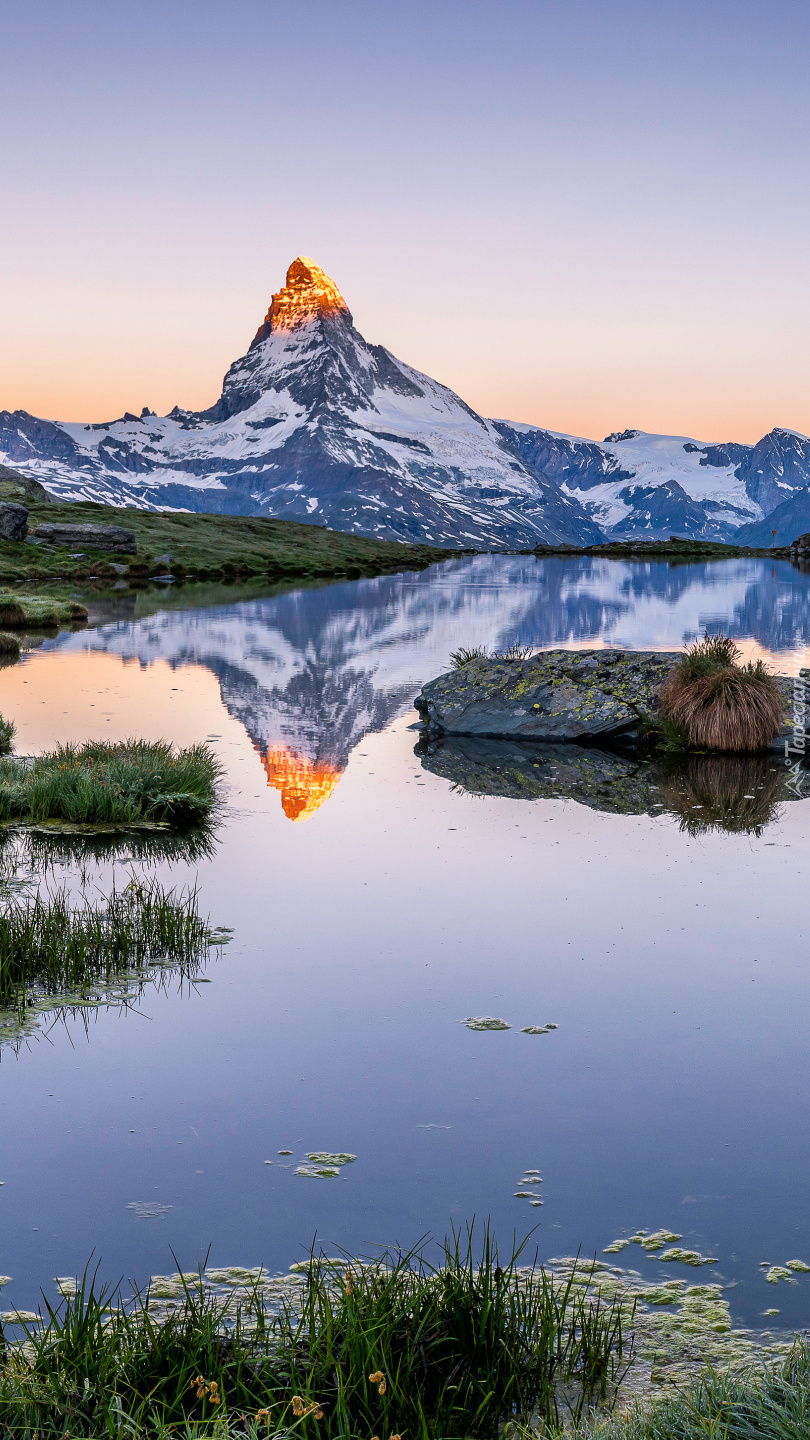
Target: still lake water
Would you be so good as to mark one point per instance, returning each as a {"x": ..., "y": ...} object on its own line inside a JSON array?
[{"x": 374, "y": 906}]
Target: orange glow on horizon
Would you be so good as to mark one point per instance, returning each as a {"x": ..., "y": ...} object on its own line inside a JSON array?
[{"x": 303, "y": 785}]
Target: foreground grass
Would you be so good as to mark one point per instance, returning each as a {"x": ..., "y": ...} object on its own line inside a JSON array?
[
  {"x": 50, "y": 946},
  {"x": 765, "y": 1405},
  {"x": 96, "y": 783},
  {"x": 208, "y": 547},
  {"x": 396, "y": 1347}
]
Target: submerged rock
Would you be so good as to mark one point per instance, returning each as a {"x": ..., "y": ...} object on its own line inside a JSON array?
[{"x": 556, "y": 695}]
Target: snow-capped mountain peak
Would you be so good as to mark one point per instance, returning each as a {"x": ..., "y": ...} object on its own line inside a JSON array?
[
  {"x": 313, "y": 423},
  {"x": 308, "y": 293}
]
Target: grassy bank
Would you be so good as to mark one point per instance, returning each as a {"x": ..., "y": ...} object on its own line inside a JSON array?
[
  {"x": 347, "y": 1349},
  {"x": 206, "y": 547},
  {"x": 392, "y": 1347},
  {"x": 131, "y": 782},
  {"x": 676, "y": 549},
  {"x": 50, "y": 946},
  {"x": 765, "y": 1405},
  {"x": 19, "y": 611}
]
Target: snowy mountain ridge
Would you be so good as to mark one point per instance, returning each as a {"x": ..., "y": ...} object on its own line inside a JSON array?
[
  {"x": 313, "y": 424},
  {"x": 316, "y": 424}
]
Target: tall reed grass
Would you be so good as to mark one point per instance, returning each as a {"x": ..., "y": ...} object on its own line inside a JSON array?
[
  {"x": 51, "y": 946},
  {"x": 98, "y": 782},
  {"x": 394, "y": 1347}
]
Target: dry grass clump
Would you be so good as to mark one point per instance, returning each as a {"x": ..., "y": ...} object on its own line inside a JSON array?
[{"x": 719, "y": 704}]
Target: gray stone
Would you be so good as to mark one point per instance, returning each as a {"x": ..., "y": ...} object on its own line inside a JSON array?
[
  {"x": 13, "y": 521},
  {"x": 96, "y": 537},
  {"x": 17, "y": 487},
  {"x": 164, "y": 561},
  {"x": 557, "y": 695}
]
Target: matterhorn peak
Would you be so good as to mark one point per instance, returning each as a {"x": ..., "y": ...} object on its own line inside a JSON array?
[{"x": 308, "y": 293}]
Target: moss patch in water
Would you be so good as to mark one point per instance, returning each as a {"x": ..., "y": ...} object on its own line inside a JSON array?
[
  {"x": 687, "y": 1257},
  {"x": 485, "y": 1022},
  {"x": 798, "y": 1265},
  {"x": 780, "y": 1272},
  {"x": 656, "y": 1240}
]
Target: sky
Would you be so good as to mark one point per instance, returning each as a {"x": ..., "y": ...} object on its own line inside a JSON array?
[{"x": 585, "y": 214}]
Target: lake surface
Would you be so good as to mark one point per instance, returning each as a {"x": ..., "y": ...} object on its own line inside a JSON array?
[{"x": 374, "y": 906}]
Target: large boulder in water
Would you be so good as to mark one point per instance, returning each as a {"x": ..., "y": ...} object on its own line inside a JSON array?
[{"x": 556, "y": 695}]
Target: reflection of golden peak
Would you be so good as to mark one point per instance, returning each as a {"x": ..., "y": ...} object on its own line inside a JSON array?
[
  {"x": 303, "y": 785},
  {"x": 309, "y": 292}
]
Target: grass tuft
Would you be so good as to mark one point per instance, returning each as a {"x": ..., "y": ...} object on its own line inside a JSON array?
[
  {"x": 465, "y": 655},
  {"x": 715, "y": 704},
  {"x": 98, "y": 782},
  {"x": 513, "y": 652},
  {"x": 49, "y": 946}
]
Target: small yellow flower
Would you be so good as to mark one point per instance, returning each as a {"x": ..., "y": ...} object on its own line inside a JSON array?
[
  {"x": 298, "y": 1406},
  {"x": 382, "y": 1387},
  {"x": 375, "y": 1377},
  {"x": 318, "y": 1415}
]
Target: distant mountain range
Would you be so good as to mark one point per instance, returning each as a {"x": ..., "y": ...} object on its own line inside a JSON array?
[{"x": 315, "y": 424}]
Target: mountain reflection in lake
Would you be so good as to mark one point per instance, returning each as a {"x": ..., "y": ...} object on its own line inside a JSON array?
[
  {"x": 310, "y": 672},
  {"x": 655, "y": 916}
]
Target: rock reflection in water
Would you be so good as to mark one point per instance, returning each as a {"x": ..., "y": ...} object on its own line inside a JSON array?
[{"x": 739, "y": 794}]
